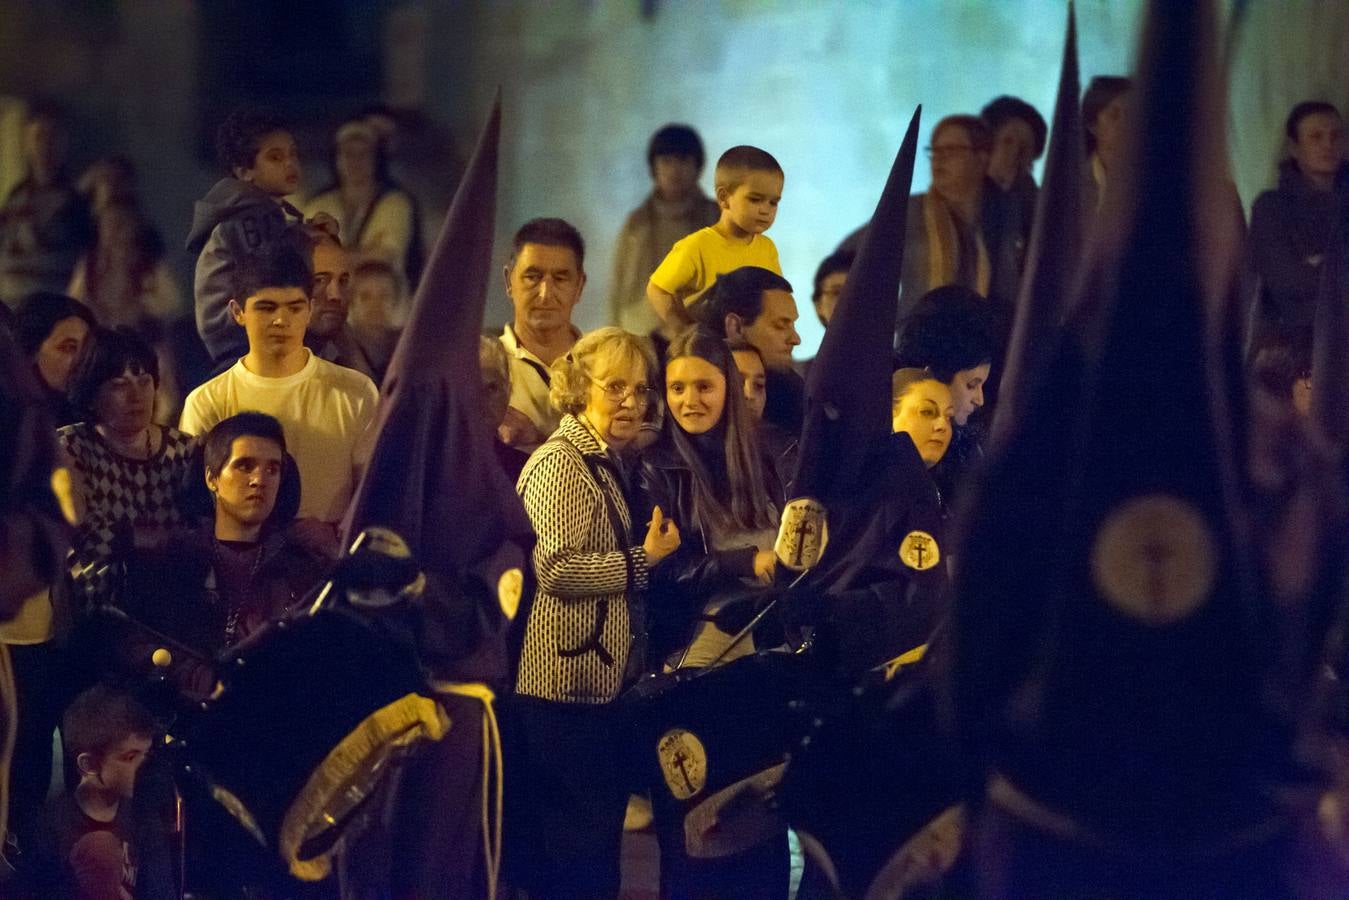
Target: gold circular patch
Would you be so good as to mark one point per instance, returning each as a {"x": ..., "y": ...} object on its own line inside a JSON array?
[
  {"x": 1154, "y": 559},
  {"x": 919, "y": 551},
  {"x": 683, "y": 762},
  {"x": 510, "y": 587}
]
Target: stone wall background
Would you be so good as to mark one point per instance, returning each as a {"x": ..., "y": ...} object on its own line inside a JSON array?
[{"x": 827, "y": 87}]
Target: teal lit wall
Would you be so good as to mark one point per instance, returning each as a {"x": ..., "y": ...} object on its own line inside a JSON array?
[{"x": 828, "y": 88}]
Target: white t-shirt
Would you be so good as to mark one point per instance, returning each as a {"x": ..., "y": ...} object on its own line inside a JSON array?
[{"x": 324, "y": 409}]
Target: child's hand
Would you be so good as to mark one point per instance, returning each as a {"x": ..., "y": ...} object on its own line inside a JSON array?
[{"x": 325, "y": 223}]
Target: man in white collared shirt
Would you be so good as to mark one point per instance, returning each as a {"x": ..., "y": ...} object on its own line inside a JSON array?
[{"x": 544, "y": 279}]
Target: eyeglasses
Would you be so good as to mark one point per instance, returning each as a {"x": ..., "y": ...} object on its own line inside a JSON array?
[
  {"x": 618, "y": 391},
  {"x": 947, "y": 151}
]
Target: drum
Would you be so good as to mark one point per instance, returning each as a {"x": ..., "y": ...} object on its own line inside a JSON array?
[
  {"x": 872, "y": 770},
  {"x": 309, "y": 713},
  {"x": 712, "y": 743}
]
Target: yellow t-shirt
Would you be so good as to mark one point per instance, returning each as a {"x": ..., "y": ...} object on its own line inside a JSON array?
[{"x": 695, "y": 262}]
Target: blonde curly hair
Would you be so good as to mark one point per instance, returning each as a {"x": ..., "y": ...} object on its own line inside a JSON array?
[{"x": 602, "y": 348}]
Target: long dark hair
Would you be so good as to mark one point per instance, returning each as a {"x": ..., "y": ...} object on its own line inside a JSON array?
[{"x": 749, "y": 505}]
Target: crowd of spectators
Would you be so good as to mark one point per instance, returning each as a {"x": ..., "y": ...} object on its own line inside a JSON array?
[{"x": 212, "y": 435}]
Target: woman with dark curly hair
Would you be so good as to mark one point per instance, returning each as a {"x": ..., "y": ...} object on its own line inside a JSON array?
[{"x": 955, "y": 334}]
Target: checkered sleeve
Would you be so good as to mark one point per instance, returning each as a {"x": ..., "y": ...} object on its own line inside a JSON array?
[
  {"x": 566, "y": 509},
  {"x": 95, "y": 561}
]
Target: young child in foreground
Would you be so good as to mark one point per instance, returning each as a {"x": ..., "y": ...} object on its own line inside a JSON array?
[
  {"x": 107, "y": 734},
  {"x": 749, "y": 187}
]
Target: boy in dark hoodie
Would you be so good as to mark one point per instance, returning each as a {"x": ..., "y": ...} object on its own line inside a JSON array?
[{"x": 245, "y": 213}]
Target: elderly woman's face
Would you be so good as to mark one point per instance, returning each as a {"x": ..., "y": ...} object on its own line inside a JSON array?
[
  {"x": 56, "y": 355},
  {"x": 126, "y": 403},
  {"x": 616, "y": 400}
]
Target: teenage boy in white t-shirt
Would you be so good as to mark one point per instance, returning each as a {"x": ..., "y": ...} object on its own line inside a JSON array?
[{"x": 323, "y": 407}]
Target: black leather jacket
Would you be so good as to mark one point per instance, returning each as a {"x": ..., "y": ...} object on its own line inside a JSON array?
[{"x": 684, "y": 581}]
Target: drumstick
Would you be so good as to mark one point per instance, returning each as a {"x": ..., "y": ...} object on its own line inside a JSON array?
[
  {"x": 173, "y": 644},
  {"x": 753, "y": 623}
]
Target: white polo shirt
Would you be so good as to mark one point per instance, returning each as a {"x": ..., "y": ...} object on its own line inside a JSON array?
[{"x": 529, "y": 384}]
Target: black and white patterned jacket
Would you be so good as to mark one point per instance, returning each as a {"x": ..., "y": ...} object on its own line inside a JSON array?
[{"x": 579, "y": 632}]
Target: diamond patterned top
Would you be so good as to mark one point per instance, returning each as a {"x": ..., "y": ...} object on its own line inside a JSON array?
[{"x": 120, "y": 493}]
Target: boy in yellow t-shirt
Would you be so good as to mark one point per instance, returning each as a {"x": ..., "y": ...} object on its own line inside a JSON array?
[{"x": 749, "y": 187}]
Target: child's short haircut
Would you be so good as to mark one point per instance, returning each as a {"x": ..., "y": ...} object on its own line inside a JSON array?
[
  {"x": 283, "y": 267},
  {"x": 736, "y": 164},
  {"x": 676, "y": 140},
  {"x": 101, "y": 718},
  {"x": 549, "y": 233},
  {"x": 239, "y": 137}
]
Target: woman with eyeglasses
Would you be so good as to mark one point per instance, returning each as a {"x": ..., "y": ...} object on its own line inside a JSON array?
[
  {"x": 579, "y": 650},
  {"x": 708, "y": 473}
]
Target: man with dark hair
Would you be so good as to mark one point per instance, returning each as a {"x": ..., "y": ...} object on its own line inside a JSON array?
[
  {"x": 756, "y": 306},
  {"x": 233, "y": 566},
  {"x": 545, "y": 275},
  {"x": 1019, "y": 135},
  {"x": 44, "y": 224},
  {"x": 677, "y": 207},
  {"x": 325, "y": 408}
]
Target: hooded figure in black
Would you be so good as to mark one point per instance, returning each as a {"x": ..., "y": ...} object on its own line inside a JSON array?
[
  {"x": 1126, "y": 668},
  {"x": 876, "y": 587},
  {"x": 434, "y": 479}
]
